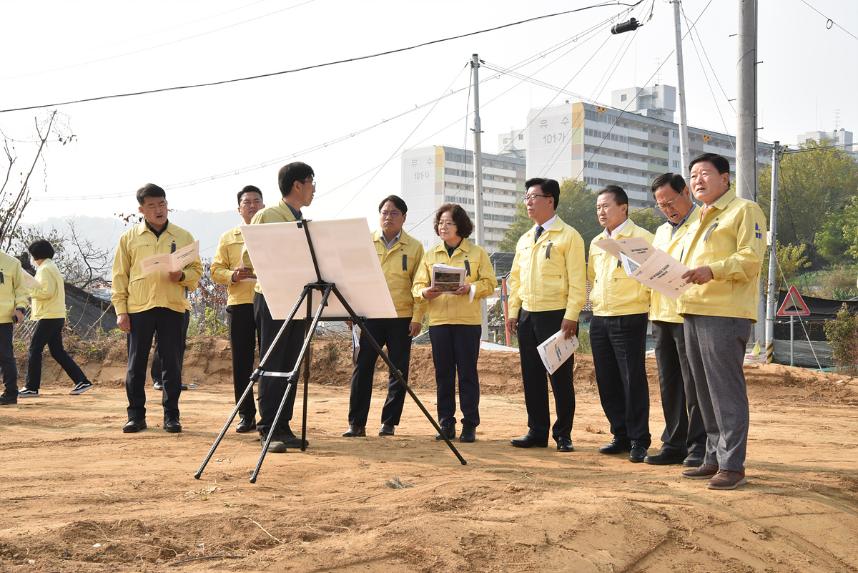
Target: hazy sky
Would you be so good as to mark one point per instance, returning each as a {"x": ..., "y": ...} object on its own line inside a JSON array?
[{"x": 63, "y": 50}]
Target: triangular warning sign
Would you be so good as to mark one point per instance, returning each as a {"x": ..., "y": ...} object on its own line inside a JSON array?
[{"x": 793, "y": 304}]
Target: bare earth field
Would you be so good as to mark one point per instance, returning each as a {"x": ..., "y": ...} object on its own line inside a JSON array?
[{"x": 78, "y": 495}]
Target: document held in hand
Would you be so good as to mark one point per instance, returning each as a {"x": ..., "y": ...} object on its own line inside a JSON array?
[
  {"x": 446, "y": 278},
  {"x": 556, "y": 350},
  {"x": 171, "y": 262},
  {"x": 648, "y": 265}
]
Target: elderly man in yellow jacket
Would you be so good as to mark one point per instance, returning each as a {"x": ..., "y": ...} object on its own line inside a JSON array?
[
  {"x": 684, "y": 438},
  {"x": 13, "y": 305},
  {"x": 547, "y": 290},
  {"x": 618, "y": 330},
  {"x": 147, "y": 304},
  {"x": 228, "y": 268},
  {"x": 400, "y": 255},
  {"x": 724, "y": 250}
]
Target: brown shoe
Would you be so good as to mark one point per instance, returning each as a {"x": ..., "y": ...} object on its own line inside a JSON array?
[
  {"x": 705, "y": 471},
  {"x": 725, "y": 479}
]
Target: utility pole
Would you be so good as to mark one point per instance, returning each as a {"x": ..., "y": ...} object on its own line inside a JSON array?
[
  {"x": 684, "y": 160},
  {"x": 772, "y": 295},
  {"x": 746, "y": 132},
  {"x": 479, "y": 238}
]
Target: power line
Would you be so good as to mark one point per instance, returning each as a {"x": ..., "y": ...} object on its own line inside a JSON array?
[
  {"x": 829, "y": 22},
  {"x": 316, "y": 66}
]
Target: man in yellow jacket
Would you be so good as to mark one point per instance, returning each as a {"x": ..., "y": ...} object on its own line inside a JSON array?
[
  {"x": 400, "y": 255},
  {"x": 13, "y": 305},
  {"x": 297, "y": 186},
  {"x": 684, "y": 438},
  {"x": 618, "y": 330},
  {"x": 547, "y": 290},
  {"x": 228, "y": 269},
  {"x": 147, "y": 304},
  {"x": 724, "y": 250}
]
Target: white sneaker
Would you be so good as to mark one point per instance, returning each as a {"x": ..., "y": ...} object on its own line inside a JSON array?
[{"x": 27, "y": 393}]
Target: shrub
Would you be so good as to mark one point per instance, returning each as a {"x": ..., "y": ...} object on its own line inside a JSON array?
[{"x": 842, "y": 334}]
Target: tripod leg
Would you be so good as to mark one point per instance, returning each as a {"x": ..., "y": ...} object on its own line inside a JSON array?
[
  {"x": 399, "y": 377},
  {"x": 271, "y": 432}
]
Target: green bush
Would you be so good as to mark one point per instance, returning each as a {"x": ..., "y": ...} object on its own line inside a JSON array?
[{"x": 842, "y": 334}]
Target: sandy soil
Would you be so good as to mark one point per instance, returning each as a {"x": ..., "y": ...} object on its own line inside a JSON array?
[{"x": 78, "y": 495}]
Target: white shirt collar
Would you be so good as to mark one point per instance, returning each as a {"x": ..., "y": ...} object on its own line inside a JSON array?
[
  {"x": 616, "y": 231},
  {"x": 547, "y": 224}
]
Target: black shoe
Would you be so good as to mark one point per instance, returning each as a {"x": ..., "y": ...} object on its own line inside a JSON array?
[
  {"x": 158, "y": 385},
  {"x": 637, "y": 453},
  {"x": 565, "y": 445},
  {"x": 617, "y": 446},
  {"x": 387, "y": 430},
  {"x": 693, "y": 461},
  {"x": 665, "y": 458},
  {"x": 355, "y": 432},
  {"x": 245, "y": 424},
  {"x": 8, "y": 399},
  {"x": 448, "y": 432},
  {"x": 529, "y": 440},
  {"x": 469, "y": 434},
  {"x": 172, "y": 425},
  {"x": 293, "y": 441},
  {"x": 277, "y": 445},
  {"x": 133, "y": 426}
]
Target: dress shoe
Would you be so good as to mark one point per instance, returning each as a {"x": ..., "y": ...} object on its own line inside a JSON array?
[
  {"x": 245, "y": 424},
  {"x": 8, "y": 400},
  {"x": 637, "y": 453},
  {"x": 448, "y": 432},
  {"x": 665, "y": 458},
  {"x": 355, "y": 432},
  {"x": 277, "y": 446},
  {"x": 293, "y": 441},
  {"x": 172, "y": 425},
  {"x": 705, "y": 471},
  {"x": 617, "y": 446},
  {"x": 726, "y": 479},
  {"x": 387, "y": 430},
  {"x": 693, "y": 461},
  {"x": 469, "y": 434},
  {"x": 529, "y": 440},
  {"x": 133, "y": 426},
  {"x": 565, "y": 445}
]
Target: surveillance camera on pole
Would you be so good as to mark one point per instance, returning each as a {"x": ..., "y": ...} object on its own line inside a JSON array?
[{"x": 627, "y": 26}]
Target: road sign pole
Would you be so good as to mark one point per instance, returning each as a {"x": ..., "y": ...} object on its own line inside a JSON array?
[{"x": 791, "y": 341}]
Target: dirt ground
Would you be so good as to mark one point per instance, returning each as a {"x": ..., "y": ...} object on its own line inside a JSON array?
[{"x": 79, "y": 495}]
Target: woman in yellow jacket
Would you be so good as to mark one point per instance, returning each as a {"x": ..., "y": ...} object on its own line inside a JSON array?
[
  {"x": 455, "y": 319},
  {"x": 49, "y": 312}
]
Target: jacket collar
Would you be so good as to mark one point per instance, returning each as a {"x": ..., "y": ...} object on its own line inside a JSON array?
[
  {"x": 143, "y": 227},
  {"x": 556, "y": 226},
  {"x": 464, "y": 246},
  {"x": 628, "y": 227}
]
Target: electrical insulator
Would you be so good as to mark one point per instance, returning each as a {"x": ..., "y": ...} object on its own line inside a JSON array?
[{"x": 628, "y": 26}]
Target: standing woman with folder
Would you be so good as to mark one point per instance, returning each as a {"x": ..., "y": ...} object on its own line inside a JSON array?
[{"x": 455, "y": 318}]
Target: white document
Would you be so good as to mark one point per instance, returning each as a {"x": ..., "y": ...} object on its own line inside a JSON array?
[
  {"x": 355, "y": 343},
  {"x": 171, "y": 262},
  {"x": 346, "y": 256},
  {"x": 241, "y": 266},
  {"x": 556, "y": 350},
  {"x": 446, "y": 278},
  {"x": 662, "y": 273},
  {"x": 635, "y": 248},
  {"x": 29, "y": 281}
]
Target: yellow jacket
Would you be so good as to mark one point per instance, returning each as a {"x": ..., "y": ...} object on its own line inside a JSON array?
[
  {"x": 612, "y": 291},
  {"x": 279, "y": 213},
  {"x": 663, "y": 307},
  {"x": 451, "y": 308},
  {"x": 134, "y": 292},
  {"x": 13, "y": 293},
  {"x": 49, "y": 299},
  {"x": 227, "y": 258},
  {"x": 549, "y": 274},
  {"x": 730, "y": 239},
  {"x": 400, "y": 265}
]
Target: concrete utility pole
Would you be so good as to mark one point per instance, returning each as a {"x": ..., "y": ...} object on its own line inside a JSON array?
[
  {"x": 772, "y": 295},
  {"x": 746, "y": 132},
  {"x": 478, "y": 155},
  {"x": 684, "y": 160}
]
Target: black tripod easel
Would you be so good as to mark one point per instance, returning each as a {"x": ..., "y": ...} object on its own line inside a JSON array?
[{"x": 312, "y": 321}]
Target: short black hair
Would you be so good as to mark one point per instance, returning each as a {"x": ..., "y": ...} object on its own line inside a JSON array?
[
  {"x": 397, "y": 201},
  {"x": 675, "y": 180},
  {"x": 290, "y": 173},
  {"x": 41, "y": 249},
  {"x": 719, "y": 161},
  {"x": 150, "y": 190},
  {"x": 248, "y": 189},
  {"x": 549, "y": 186},
  {"x": 464, "y": 226},
  {"x": 619, "y": 194}
]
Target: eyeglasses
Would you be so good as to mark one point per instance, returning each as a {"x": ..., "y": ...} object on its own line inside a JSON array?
[
  {"x": 446, "y": 224},
  {"x": 532, "y": 196},
  {"x": 385, "y": 214},
  {"x": 312, "y": 181},
  {"x": 668, "y": 204}
]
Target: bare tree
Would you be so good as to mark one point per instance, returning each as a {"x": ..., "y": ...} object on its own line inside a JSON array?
[{"x": 81, "y": 262}]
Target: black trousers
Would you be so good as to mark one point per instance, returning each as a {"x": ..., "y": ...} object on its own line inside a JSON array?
[
  {"x": 455, "y": 350},
  {"x": 243, "y": 339},
  {"x": 619, "y": 344},
  {"x": 7, "y": 361},
  {"x": 49, "y": 331},
  {"x": 167, "y": 324},
  {"x": 157, "y": 371},
  {"x": 535, "y": 328},
  {"x": 683, "y": 424},
  {"x": 393, "y": 333},
  {"x": 283, "y": 359}
]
